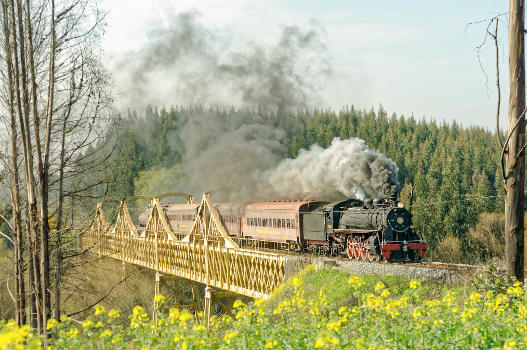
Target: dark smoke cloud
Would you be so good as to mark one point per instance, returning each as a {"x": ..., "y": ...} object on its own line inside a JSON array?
[
  {"x": 187, "y": 63},
  {"x": 241, "y": 159},
  {"x": 239, "y": 156}
]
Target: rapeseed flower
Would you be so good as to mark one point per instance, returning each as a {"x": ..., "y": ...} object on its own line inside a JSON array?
[
  {"x": 414, "y": 284},
  {"x": 114, "y": 314},
  {"x": 271, "y": 344},
  {"x": 99, "y": 309},
  {"x": 229, "y": 336},
  {"x": 52, "y": 323},
  {"x": 159, "y": 298}
]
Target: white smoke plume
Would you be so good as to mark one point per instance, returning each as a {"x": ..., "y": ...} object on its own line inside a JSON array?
[
  {"x": 241, "y": 159},
  {"x": 347, "y": 168}
]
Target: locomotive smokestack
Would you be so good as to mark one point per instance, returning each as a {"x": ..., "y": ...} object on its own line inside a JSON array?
[{"x": 393, "y": 192}]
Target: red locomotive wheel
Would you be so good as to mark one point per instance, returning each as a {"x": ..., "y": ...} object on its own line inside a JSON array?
[
  {"x": 349, "y": 247},
  {"x": 356, "y": 247},
  {"x": 362, "y": 251}
]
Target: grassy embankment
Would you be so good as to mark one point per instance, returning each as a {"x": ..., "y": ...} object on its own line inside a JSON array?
[{"x": 323, "y": 309}]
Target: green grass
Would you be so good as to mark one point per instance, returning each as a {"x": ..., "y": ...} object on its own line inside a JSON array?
[{"x": 324, "y": 309}]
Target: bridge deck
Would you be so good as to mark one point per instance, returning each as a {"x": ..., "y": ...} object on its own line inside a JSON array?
[{"x": 207, "y": 255}]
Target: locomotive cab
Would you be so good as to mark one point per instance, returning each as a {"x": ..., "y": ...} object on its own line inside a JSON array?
[{"x": 320, "y": 227}]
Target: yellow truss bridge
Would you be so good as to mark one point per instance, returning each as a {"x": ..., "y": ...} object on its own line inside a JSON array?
[{"x": 206, "y": 255}]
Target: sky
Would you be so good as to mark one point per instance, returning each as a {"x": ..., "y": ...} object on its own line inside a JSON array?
[{"x": 413, "y": 57}]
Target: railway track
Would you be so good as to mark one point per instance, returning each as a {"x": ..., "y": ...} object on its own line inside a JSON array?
[{"x": 464, "y": 269}]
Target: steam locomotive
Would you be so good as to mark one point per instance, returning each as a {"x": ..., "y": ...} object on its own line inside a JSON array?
[{"x": 378, "y": 229}]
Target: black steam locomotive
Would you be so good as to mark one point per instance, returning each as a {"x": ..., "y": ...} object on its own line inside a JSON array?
[{"x": 378, "y": 229}]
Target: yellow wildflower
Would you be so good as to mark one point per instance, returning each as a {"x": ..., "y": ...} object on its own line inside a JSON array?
[
  {"x": 360, "y": 344},
  {"x": 52, "y": 323},
  {"x": 379, "y": 286},
  {"x": 88, "y": 323},
  {"x": 449, "y": 298},
  {"x": 332, "y": 340},
  {"x": 173, "y": 314},
  {"x": 106, "y": 333},
  {"x": 319, "y": 343},
  {"x": 99, "y": 309},
  {"x": 238, "y": 304},
  {"x": 414, "y": 284},
  {"x": 467, "y": 314},
  {"x": 437, "y": 323},
  {"x": 297, "y": 282},
  {"x": 114, "y": 313},
  {"x": 73, "y": 333},
  {"x": 356, "y": 282},
  {"x": 271, "y": 344},
  {"x": 228, "y": 336},
  {"x": 515, "y": 290},
  {"x": 475, "y": 298},
  {"x": 501, "y": 303},
  {"x": 199, "y": 327},
  {"x": 185, "y": 316},
  {"x": 159, "y": 298},
  {"x": 509, "y": 345},
  {"x": 333, "y": 326}
]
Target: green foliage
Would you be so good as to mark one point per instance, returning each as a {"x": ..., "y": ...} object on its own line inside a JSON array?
[
  {"x": 455, "y": 171},
  {"x": 158, "y": 180},
  {"x": 379, "y": 313},
  {"x": 492, "y": 279}
]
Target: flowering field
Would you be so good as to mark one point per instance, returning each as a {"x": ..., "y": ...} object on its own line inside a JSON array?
[{"x": 370, "y": 313}]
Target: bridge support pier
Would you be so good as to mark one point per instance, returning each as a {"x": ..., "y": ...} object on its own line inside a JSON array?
[
  {"x": 157, "y": 286},
  {"x": 208, "y": 302}
]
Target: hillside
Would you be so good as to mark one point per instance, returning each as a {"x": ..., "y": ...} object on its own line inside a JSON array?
[
  {"x": 360, "y": 312},
  {"x": 454, "y": 171}
]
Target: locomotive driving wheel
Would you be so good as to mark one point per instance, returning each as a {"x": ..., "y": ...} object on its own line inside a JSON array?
[
  {"x": 356, "y": 247},
  {"x": 363, "y": 250},
  {"x": 349, "y": 247}
]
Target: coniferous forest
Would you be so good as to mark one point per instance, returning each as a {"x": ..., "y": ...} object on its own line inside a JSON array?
[{"x": 450, "y": 175}]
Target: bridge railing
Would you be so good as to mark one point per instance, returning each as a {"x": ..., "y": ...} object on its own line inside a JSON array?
[{"x": 206, "y": 255}]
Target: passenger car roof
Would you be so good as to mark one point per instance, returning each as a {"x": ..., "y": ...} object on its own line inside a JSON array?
[{"x": 284, "y": 205}]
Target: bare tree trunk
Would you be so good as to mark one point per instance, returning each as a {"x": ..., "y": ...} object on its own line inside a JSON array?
[
  {"x": 20, "y": 303},
  {"x": 44, "y": 180},
  {"x": 515, "y": 159},
  {"x": 32, "y": 297},
  {"x": 60, "y": 212},
  {"x": 29, "y": 177}
]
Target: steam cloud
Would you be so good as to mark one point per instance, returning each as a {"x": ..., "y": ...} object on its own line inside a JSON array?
[
  {"x": 238, "y": 156},
  {"x": 241, "y": 159},
  {"x": 186, "y": 63},
  {"x": 347, "y": 168}
]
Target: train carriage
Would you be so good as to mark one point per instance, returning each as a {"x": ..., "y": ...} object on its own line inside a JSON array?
[
  {"x": 365, "y": 230},
  {"x": 231, "y": 216},
  {"x": 277, "y": 221},
  {"x": 180, "y": 218}
]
